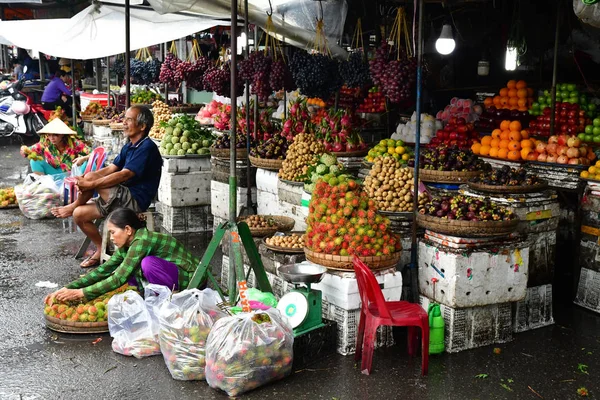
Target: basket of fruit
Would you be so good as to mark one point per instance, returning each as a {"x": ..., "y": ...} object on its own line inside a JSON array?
[
  {"x": 240, "y": 154},
  {"x": 508, "y": 180},
  {"x": 116, "y": 126},
  {"x": 8, "y": 199},
  {"x": 466, "y": 216},
  {"x": 304, "y": 152},
  {"x": 450, "y": 165},
  {"x": 89, "y": 317},
  {"x": 344, "y": 263},
  {"x": 222, "y": 145},
  {"x": 265, "y": 163},
  {"x": 266, "y": 225},
  {"x": 101, "y": 122},
  {"x": 292, "y": 243},
  {"x": 184, "y": 137}
]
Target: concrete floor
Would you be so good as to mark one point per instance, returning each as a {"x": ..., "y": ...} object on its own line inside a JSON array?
[{"x": 36, "y": 363}]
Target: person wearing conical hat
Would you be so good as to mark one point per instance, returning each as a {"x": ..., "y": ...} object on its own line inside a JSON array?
[{"x": 56, "y": 151}]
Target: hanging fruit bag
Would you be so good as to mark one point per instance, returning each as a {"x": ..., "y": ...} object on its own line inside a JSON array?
[{"x": 248, "y": 350}]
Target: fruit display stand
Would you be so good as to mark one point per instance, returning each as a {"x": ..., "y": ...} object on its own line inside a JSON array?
[
  {"x": 101, "y": 127},
  {"x": 588, "y": 290},
  {"x": 183, "y": 220},
  {"x": 112, "y": 141},
  {"x": 220, "y": 171},
  {"x": 559, "y": 176},
  {"x": 219, "y": 199},
  {"x": 267, "y": 198},
  {"x": 498, "y": 163},
  {"x": 289, "y": 198}
]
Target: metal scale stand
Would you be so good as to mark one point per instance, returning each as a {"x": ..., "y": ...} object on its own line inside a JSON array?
[{"x": 302, "y": 305}]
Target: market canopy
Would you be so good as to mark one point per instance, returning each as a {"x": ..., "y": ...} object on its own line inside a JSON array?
[{"x": 99, "y": 31}]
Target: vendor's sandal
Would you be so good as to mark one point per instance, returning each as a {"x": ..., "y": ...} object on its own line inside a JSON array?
[{"x": 90, "y": 262}]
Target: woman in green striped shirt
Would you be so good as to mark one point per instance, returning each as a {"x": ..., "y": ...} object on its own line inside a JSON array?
[{"x": 141, "y": 257}]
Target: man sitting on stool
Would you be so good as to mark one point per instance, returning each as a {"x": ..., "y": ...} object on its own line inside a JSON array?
[{"x": 131, "y": 181}]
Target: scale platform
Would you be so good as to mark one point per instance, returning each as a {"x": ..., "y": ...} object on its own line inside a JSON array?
[{"x": 302, "y": 305}]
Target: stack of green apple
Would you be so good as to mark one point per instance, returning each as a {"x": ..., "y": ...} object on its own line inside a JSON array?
[
  {"x": 592, "y": 132},
  {"x": 565, "y": 93},
  {"x": 184, "y": 136}
]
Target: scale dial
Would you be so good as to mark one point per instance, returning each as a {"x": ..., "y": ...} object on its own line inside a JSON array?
[{"x": 294, "y": 306}]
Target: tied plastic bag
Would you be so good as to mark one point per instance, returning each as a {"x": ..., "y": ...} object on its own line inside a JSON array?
[
  {"x": 185, "y": 323},
  {"x": 155, "y": 296},
  {"x": 248, "y": 350},
  {"x": 37, "y": 195},
  {"x": 130, "y": 326}
]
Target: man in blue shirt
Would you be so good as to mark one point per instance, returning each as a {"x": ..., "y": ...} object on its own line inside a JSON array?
[
  {"x": 58, "y": 94},
  {"x": 131, "y": 181}
]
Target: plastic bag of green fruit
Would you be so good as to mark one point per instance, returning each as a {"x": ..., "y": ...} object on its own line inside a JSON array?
[{"x": 248, "y": 350}]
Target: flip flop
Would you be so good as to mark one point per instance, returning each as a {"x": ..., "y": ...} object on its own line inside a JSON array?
[{"x": 90, "y": 262}]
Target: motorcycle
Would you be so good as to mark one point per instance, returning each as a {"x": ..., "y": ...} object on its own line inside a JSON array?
[{"x": 18, "y": 114}]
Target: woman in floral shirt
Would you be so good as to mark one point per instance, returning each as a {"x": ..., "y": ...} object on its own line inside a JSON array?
[{"x": 57, "y": 149}]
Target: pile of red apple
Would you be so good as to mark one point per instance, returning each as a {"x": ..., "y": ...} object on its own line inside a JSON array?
[
  {"x": 457, "y": 132},
  {"x": 562, "y": 149},
  {"x": 569, "y": 120},
  {"x": 373, "y": 103}
]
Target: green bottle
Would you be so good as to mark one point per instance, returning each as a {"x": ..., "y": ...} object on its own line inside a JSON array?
[{"x": 436, "y": 329}]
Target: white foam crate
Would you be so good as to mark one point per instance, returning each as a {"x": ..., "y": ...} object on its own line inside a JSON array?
[
  {"x": 535, "y": 311},
  {"x": 296, "y": 212},
  {"x": 588, "y": 291},
  {"x": 266, "y": 180},
  {"x": 469, "y": 328},
  {"x": 542, "y": 257},
  {"x": 184, "y": 190},
  {"x": 290, "y": 193},
  {"x": 185, "y": 219},
  {"x": 186, "y": 165},
  {"x": 473, "y": 279},
  {"x": 219, "y": 200},
  {"x": 266, "y": 203}
]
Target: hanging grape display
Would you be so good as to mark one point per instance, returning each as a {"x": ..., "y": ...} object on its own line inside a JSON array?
[
  {"x": 355, "y": 71},
  {"x": 316, "y": 75},
  {"x": 170, "y": 72}
]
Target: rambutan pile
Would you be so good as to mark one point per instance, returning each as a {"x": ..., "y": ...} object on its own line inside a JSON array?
[{"x": 343, "y": 221}]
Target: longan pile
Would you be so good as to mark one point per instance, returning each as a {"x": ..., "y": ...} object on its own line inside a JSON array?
[{"x": 304, "y": 152}]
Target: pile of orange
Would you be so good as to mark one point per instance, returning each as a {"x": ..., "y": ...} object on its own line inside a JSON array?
[
  {"x": 515, "y": 96},
  {"x": 510, "y": 142}
]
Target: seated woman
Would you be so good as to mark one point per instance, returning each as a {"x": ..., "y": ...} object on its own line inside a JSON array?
[
  {"x": 142, "y": 257},
  {"x": 58, "y": 94},
  {"x": 56, "y": 151}
]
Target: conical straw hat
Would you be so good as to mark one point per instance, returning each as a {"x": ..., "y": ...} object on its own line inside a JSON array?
[{"x": 57, "y": 127}]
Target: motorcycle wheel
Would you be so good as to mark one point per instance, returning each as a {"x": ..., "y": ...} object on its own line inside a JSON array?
[
  {"x": 34, "y": 122},
  {"x": 6, "y": 129}
]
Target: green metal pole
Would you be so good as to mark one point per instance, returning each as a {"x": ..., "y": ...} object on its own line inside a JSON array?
[{"x": 232, "y": 156}]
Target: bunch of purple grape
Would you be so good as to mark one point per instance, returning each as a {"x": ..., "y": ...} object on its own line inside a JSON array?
[
  {"x": 170, "y": 72},
  {"x": 396, "y": 78},
  {"x": 257, "y": 69},
  {"x": 195, "y": 77},
  {"x": 355, "y": 71},
  {"x": 316, "y": 75},
  {"x": 218, "y": 80},
  {"x": 280, "y": 76}
]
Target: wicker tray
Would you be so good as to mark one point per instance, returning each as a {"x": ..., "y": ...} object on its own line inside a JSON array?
[
  {"x": 101, "y": 122},
  {"x": 60, "y": 325},
  {"x": 282, "y": 224},
  {"x": 273, "y": 165},
  {"x": 116, "y": 126},
  {"x": 10, "y": 206},
  {"x": 467, "y": 228},
  {"x": 240, "y": 154},
  {"x": 288, "y": 250},
  {"x": 344, "y": 263},
  {"x": 359, "y": 153},
  {"x": 508, "y": 189},
  {"x": 87, "y": 119},
  {"x": 428, "y": 175}
]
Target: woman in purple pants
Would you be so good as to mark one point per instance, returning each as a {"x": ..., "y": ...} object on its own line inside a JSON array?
[{"x": 142, "y": 257}]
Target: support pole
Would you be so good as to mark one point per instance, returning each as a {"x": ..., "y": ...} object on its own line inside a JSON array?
[
  {"x": 98, "y": 68},
  {"x": 555, "y": 70},
  {"x": 232, "y": 153},
  {"x": 127, "y": 55},
  {"x": 414, "y": 286},
  {"x": 255, "y": 96},
  {"x": 41, "y": 64},
  {"x": 247, "y": 54},
  {"x": 108, "y": 80},
  {"x": 73, "y": 89},
  {"x": 166, "y": 49}
]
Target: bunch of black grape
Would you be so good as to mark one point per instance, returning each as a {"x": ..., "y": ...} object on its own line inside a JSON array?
[
  {"x": 169, "y": 71},
  {"x": 316, "y": 75},
  {"x": 280, "y": 76},
  {"x": 396, "y": 78},
  {"x": 119, "y": 66},
  {"x": 144, "y": 72},
  {"x": 355, "y": 71},
  {"x": 195, "y": 76}
]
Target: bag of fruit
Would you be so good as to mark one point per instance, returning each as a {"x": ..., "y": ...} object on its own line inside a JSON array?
[
  {"x": 155, "y": 296},
  {"x": 248, "y": 350},
  {"x": 185, "y": 322},
  {"x": 37, "y": 195},
  {"x": 130, "y": 326}
]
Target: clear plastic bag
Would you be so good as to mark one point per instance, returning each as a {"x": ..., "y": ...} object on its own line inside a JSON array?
[
  {"x": 588, "y": 14},
  {"x": 155, "y": 296},
  {"x": 248, "y": 350},
  {"x": 130, "y": 326},
  {"x": 37, "y": 195},
  {"x": 185, "y": 323}
]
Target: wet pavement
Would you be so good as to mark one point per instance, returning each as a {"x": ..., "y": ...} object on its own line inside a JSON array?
[{"x": 35, "y": 363}]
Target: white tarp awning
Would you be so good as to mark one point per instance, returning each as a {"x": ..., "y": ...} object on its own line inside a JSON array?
[{"x": 100, "y": 31}]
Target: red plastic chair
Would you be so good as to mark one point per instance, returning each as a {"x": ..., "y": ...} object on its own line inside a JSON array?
[{"x": 375, "y": 311}]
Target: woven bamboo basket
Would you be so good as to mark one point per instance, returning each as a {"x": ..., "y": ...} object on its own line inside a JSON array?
[
  {"x": 508, "y": 189},
  {"x": 10, "y": 206},
  {"x": 281, "y": 224},
  {"x": 467, "y": 228},
  {"x": 264, "y": 163},
  {"x": 240, "y": 154},
  {"x": 60, "y": 325},
  {"x": 359, "y": 153},
  {"x": 344, "y": 263},
  {"x": 101, "y": 122},
  {"x": 116, "y": 126},
  {"x": 428, "y": 175},
  {"x": 289, "y": 250},
  {"x": 85, "y": 118}
]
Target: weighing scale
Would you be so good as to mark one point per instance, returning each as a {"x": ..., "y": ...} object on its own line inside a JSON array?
[{"x": 302, "y": 305}]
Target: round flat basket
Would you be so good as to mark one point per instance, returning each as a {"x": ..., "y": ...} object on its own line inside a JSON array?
[
  {"x": 281, "y": 224},
  {"x": 101, "y": 122},
  {"x": 428, "y": 175},
  {"x": 467, "y": 228},
  {"x": 264, "y": 163},
  {"x": 344, "y": 263},
  {"x": 60, "y": 325},
  {"x": 8, "y": 207},
  {"x": 508, "y": 189},
  {"x": 293, "y": 183},
  {"x": 87, "y": 119},
  {"x": 117, "y": 126},
  {"x": 359, "y": 153},
  {"x": 240, "y": 154},
  {"x": 289, "y": 250}
]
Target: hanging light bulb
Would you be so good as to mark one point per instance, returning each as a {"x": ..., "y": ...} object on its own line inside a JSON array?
[
  {"x": 511, "y": 60},
  {"x": 445, "y": 43}
]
